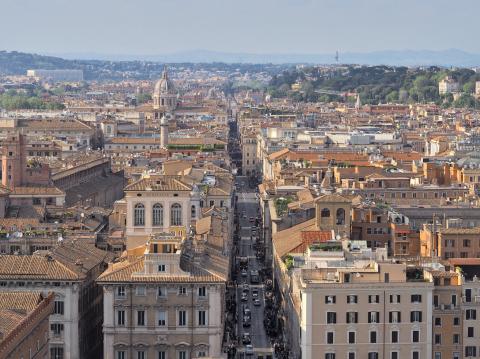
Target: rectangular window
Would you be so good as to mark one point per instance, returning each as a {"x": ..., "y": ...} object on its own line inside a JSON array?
[
  {"x": 470, "y": 314},
  {"x": 351, "y": 355},
  {"x": 352, "y": 317},
  {"x": 415, "y": 316},
  {"x": 468, "y": 295},
  {"x": 415, "y": 355},
  {"x": 438, "y": 322},
  {"x": 56, "y": 328},
  {"x": 352, "y": 299},
  {"x": 373, "y": 355},
  {"x": 59, "y": 307},
  {"x": 438, "y": 339},
  {"x": 394, "y": 317},
  {"x": 182, "y": 290},
  {"x": 329, "y": 337},
  {"x": 351, "y": 337},
  {"x": 330, "y": 299},
  {"x": 162, "y": 268},
  {"x": 162, "y": 355},
  {"x": 182, "y": 318},
  {"x": 161, "y": 292},
  {"x": 329, "y": 355},
  {"x": 373, "y": 337},
  {"x": 331, "y": 317},
  {"x": 141, "y": 355},
  {"x": 202, "y": 318},
  {"x": 373, "y": 317},
  {"x": 470, "y": 351},
  {"x": 374, "y": 298},
  {"x": 416, "y": 298},
  {"x": 466, "y": 243},
  {"x": 121, "y": 291},
  {"x": 456, "y": 321},
  {"x": 470, "y": 332},
  {"x": 120, "y": 318},
  {"x": 415, "y": 336},
  {"x": 394, "y": 336},
  {"x": 202, "y": 291},
  {"x": 162, "y": 318},
  {"x": 394, "y": 355},
  {"x": 182, "y": 354},
  {"x": 456, "y": 338},
  {"x": 57, "y": 353},
  {"x": 395, "y": 298},
  {"x": 141, "y": 318}
]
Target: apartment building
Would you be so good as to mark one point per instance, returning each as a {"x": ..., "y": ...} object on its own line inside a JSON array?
[
  {"x": 69, "y": 271},
  {"x": 165, "y": 302}
]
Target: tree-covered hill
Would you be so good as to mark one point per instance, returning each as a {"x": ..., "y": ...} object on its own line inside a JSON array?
[{"x": 375, "y": 84}]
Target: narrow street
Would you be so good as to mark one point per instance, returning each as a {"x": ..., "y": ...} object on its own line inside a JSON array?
[{"x": 247, "y": 212}]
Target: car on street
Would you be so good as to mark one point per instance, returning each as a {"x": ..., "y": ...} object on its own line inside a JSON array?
[
  {"x": 252, "y": 219},
  {"x": 246, "y": 339},
  {"x": 244, "y": 273},
  {"x": 256, "y": 302},
  {"x": 245, "y": 287},
  {"x": 246, "y": 311},
  {"x": 244, "y": 297},
  {"x": 255, "y": 293},
  {"x": 246, "y": 322},
  {"x": 249, "y": 349}
]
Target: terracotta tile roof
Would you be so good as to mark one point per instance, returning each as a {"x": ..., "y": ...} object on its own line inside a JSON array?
[
  {"x": 195, "y": 141},
  {"x": 453, "y": 230},
  {"x": 134, "y": 140},
  {"x": 203, "y": 225},
  {"x": 124, "y": 272},
  {"x": 21, "y": 302},
  {"x": 403, "y": 156},
  {"x": 34, "y": 267},
  {"x": 464, "y": 261},
  {"x": 159, "y": 183},
  {"x": 54, "y": 124},
  {"x": 37, "y": 190},
  {"x": 287, "y": 240},
  {"x": 333, "y": 198}
]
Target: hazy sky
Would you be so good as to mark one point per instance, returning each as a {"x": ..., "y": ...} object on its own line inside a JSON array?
[{"x": 148, "y": 27}]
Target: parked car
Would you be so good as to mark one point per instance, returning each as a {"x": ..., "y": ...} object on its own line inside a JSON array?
[
  {"x": 244, "y": 273},
  {"x": 255, "y": 293},
  {"x": 246, "y": 339},
  {"x": 249, "y": 349},
  {"x": 244, "y": 297},
  {"x": 256, "y": 302}
]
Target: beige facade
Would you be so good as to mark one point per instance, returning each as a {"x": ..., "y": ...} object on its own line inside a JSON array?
[{"x": 155, "y": 307}]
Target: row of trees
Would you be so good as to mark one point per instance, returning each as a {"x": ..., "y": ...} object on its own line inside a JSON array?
[{"x": 13, "y": 100}]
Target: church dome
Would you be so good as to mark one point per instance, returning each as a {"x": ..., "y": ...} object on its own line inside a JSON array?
[{"x": 164, "y": 85}]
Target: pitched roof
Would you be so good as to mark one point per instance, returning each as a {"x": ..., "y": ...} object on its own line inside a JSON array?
[
  {"x": 287, "y": 240},
  {"x": 335, "y": 198},
  {"x": 124, "y": 272},
  {"x": 34, "y": 267},
  {"x": 159, "y": 183}
]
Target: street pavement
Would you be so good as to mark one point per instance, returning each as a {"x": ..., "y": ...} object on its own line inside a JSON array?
[{"x": 248, "y": 204}]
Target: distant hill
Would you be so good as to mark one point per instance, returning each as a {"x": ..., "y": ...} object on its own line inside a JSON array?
[{"x": 446, "y": 58}]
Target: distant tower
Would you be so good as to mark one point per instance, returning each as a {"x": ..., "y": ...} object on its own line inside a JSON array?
[
  {"x": 164, "y": 131},
  {"x": 357, "y": 103},
  {"x": 13, "y": 160},
  {"x": 336, "y": 57}
]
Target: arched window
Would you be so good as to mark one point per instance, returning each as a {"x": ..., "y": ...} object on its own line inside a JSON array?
[
  {"x": 325, "y": 213},
  {"x": 176, "y": 215},
  {"x": 194, "y": 211},
  {"x": 139, "y": 215},
  {"x": 157, "y": 214},
  {"x": 340, "y": 216}
]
